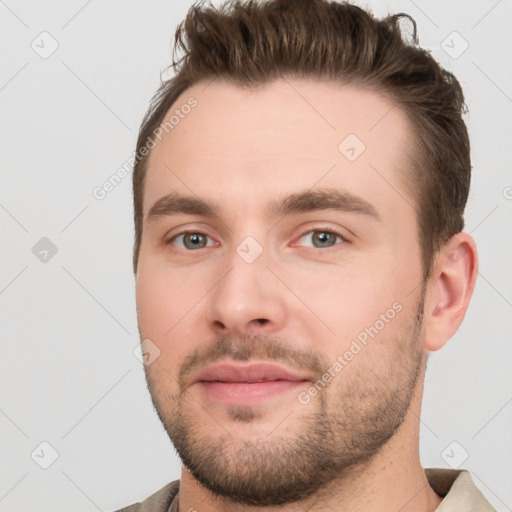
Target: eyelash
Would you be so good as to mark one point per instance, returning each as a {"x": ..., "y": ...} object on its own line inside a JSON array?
[{"x": 316, "y": 230}]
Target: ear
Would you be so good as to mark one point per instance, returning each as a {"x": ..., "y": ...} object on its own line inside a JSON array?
[{"x": 449, "y": 290}]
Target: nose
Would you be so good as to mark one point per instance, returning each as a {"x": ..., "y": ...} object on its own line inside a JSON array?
[{"x": 247, "y": 300}]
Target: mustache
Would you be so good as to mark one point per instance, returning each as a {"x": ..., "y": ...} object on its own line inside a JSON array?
[{"x": 259, "y": 347}]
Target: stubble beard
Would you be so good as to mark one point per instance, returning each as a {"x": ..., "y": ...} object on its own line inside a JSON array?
[{"x": 329, "y": 442}]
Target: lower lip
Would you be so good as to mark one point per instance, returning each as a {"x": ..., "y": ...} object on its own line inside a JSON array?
[{"x": 245, "y": 393}]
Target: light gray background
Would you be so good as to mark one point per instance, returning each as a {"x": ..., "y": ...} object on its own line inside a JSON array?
[{"x": 68, "y": 375}]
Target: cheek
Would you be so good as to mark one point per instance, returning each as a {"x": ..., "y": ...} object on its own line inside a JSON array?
[
  {"x": 163, "y": 295},
  {"x": 358, "y": 310},
  {"x": 168, "y": 308},
  {"x": 346, "y": 298},
  {"x": 154, "y": 304}
]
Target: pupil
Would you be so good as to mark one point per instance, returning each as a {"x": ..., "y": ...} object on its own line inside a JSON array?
[{"x": 195, "y": 240}]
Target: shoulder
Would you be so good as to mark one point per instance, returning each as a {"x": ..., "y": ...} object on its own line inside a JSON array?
[
  {"x": 160, "y": 501},
  {"x": 458, "y": 491}
]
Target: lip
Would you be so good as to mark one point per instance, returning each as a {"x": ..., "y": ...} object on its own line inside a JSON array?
[
  {"x": 249, "y": 383},
  {"x": 249, "y": 372}
]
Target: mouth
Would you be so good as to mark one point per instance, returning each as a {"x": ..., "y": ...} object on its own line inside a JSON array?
[{"x": 248, "y": 384}]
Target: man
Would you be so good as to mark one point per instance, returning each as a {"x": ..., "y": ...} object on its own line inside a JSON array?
[{"x": 299, "y": 195}]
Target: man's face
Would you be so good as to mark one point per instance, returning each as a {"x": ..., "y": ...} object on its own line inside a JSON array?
[{"x": 289, "y": 240}]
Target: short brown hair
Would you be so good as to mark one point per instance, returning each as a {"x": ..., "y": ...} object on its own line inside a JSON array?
[{"x": 250, "y": 43}]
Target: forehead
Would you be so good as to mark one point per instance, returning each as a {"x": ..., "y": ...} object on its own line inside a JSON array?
[{"x": 291, "y": 134}]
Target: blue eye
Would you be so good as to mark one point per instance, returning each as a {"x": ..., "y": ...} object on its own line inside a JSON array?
[
  {"x": 320, "y": 239},
  {"x": 192, "y": 241}
]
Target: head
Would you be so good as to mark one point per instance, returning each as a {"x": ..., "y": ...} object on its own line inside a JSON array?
[{"x": 305, "y": 208}]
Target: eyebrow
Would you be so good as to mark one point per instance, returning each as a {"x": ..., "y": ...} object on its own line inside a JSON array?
[{"x": 307, "y": 201}]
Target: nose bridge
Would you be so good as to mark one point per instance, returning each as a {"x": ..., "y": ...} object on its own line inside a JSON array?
[{"x": 245, "y": 299}]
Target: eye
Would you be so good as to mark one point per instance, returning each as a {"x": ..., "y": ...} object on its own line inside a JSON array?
[
  {"x": 192, "y": 241},
  {"x": 320, "y": 239}
]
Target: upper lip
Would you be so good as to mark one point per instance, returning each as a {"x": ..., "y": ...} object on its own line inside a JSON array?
[{"x": 249, "y": 372}]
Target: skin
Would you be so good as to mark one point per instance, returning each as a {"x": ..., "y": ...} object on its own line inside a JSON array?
[{"x": 241, "y": 149}]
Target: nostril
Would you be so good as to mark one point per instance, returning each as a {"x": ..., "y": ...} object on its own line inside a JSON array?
[
  {"x": 219, "y": 325},
  {"x": 262, "y": 321}
]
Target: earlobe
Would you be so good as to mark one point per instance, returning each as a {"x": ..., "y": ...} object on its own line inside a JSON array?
[{"x": 450, "y": 289}]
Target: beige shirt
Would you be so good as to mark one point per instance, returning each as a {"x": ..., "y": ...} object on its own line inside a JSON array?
[{"x": 456, "y": 487}]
